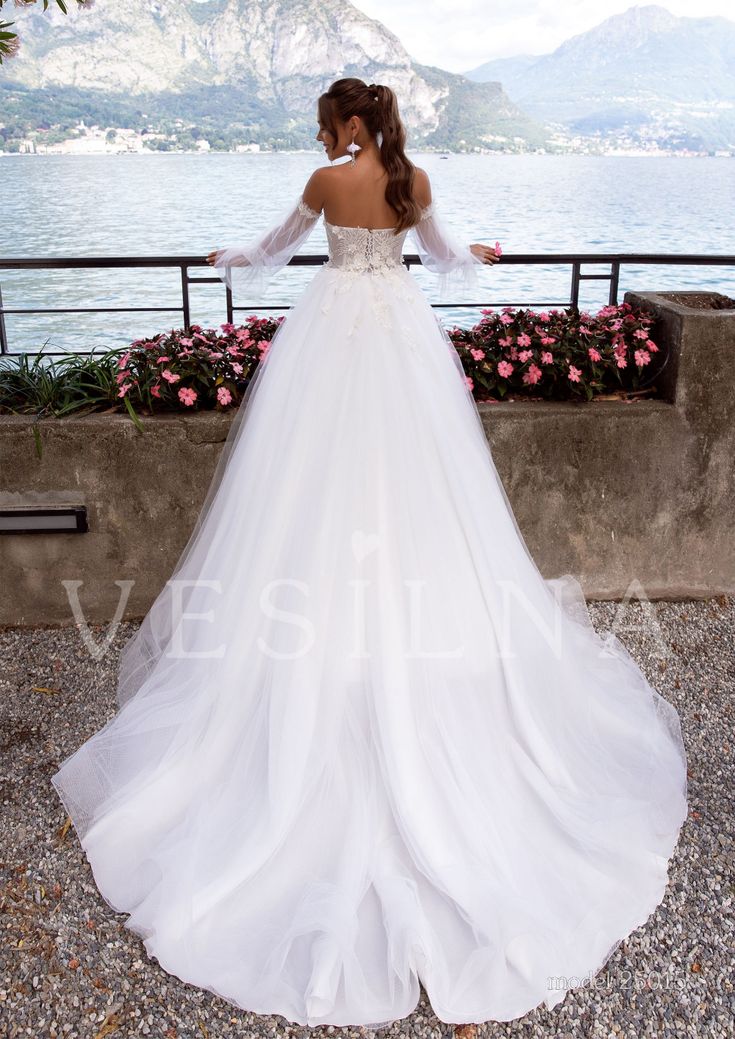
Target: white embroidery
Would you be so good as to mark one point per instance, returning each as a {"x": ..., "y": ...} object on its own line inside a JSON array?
[
  {"x": 427, "y": 211},
  {"x": 306, "y": 210},
  {"x": 357, "y": 251},
  {"x": 362, "y": 249}
]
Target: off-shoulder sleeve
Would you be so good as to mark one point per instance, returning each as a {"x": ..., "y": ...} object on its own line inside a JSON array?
[
  {"x": 441, "y": 253},
  {"x": 248, "y": 269}
]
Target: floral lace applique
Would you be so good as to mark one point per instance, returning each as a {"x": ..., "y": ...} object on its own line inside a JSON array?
[
  {"x": 306, "y": 210},
  {"x": 427, "y": 211},
  {"x": 362, "y": 249},
  {"x": 356, "y": 251}
]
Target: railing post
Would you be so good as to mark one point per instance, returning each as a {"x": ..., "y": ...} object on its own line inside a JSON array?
[
  {"x": 3, "y": 334},
  {"x": 614, "y": 280},
  {"x": 185, "y": 294},
  {"x": 574, "y": 300}
]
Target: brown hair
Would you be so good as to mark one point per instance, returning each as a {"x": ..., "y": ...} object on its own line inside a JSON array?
[{"x": 377, "y": 106}]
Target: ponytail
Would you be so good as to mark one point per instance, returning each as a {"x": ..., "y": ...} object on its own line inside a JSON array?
[{"x": 377, "y": 106}]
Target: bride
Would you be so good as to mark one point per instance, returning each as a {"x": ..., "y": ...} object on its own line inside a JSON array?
[{"x": 362, "y": 744}]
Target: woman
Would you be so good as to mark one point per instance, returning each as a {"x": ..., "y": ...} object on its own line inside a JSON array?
[{"x": 362, "y": 742}]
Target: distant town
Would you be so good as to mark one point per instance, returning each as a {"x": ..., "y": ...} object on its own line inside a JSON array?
[{"x": 96, "y": 140}]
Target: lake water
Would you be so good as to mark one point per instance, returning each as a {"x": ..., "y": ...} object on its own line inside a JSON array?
[{"x": 183, "y": 204}]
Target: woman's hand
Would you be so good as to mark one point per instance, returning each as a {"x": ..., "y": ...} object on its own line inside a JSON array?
[
  {"x": 212, "y": 257},
  {"x": 485, "y": 253}
]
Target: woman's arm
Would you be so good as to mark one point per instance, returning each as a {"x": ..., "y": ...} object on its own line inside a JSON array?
[
  {"x": 251, "y": 266},
  {"x": 454, "y": 262}
]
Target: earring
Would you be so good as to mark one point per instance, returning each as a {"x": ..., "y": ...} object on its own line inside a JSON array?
[{"x": 352, "y": 148}]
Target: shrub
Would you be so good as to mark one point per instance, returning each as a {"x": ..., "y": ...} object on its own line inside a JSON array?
[{"x": 557, "y": 354}]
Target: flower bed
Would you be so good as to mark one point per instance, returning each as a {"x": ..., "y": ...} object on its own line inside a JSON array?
[
  {"x": 558, "y": 354},
  {"x": 554, "y": 355}
]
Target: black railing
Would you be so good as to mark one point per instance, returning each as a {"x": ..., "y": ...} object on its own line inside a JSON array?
[{"x": 184, "y": 263}]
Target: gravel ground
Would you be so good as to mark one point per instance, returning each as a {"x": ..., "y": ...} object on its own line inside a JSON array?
[{"x": 69, "y": 968}]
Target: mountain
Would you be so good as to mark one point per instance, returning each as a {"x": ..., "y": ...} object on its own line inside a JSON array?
[
  {"x": 644, "y": 71},
  {"x": 248, "y": 70}
]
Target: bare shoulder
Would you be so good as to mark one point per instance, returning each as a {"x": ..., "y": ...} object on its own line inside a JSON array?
[
  {"x": 317, "y": 188},
  {"x": 421, "y": 187}
]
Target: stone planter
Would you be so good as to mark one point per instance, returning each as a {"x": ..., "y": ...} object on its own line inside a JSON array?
[{"x": 613, "y": 492}]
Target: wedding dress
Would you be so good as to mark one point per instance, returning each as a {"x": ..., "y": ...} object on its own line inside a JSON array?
[{"x": 361, "y": 742}]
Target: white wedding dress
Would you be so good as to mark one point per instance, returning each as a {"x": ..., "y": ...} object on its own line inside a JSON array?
[{"x": 361, "y": 742}]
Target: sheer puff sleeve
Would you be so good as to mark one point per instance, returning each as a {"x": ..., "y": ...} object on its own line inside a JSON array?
[
  {"x": 442, "y": 254},
  {"x": 249, "y": 268}
]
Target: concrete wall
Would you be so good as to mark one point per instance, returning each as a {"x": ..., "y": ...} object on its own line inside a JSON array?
[{"x": 610, "y": 491}]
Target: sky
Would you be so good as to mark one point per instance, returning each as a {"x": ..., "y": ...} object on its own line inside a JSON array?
[{"x": 458, "y": 35}]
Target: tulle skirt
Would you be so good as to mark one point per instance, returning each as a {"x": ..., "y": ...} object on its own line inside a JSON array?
[{"x": 361, "y": 742}]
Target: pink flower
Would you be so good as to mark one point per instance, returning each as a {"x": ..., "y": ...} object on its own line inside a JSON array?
[
  {"x": 621, "y": 361},
  {"x": 524, "y": 354},
  {"x": 548, "y": 340},
  {"x": 186, "y": 342},
  {"x": 640, "y": 334},
  {"x": 156, "y": 389},
  {"x": 187, "y": 396},
  {"x": 506, "y": 319},
  {"x": 574, "y": 373},
  {"x": 223, "y": 395},
  {"x": 642, "y": 357},
  {"x": 506, "y": 341},
  {"x": 544, "y": 315},
  {"x": 651, "y": 346},
  {"x": 124, "y": 389},
  {"x": 523, "y": 339},
  {"x": 505, "y": 369},
  {"x": 488, "y": 310},
  {"x": 547, "y": 358},
  {"x": 478, "y": 355},
  {"x": 123, "y": 360},
  {"x": 615, "y": 325},
  {"x": 169, "y": 376},
  {"x": 533, "y": 374},
  {"x": 584, "y": 330},
  {"x": 594, "y": 355},
  {"x": 237, "y": 368},
  {"x": 470, "y": 383},
  {"x": 161, "y": 360}
]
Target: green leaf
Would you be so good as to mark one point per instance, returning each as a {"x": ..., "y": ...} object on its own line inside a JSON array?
[{"x": 133, "y": 415}]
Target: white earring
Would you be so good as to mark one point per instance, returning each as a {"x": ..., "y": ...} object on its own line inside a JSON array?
[{"x": 352, "y": 148}]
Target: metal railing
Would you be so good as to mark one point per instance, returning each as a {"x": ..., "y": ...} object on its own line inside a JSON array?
[{"x": 184, "y": 263}]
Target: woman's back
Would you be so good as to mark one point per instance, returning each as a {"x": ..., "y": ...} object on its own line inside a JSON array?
[{"x": 354, "y": 196}]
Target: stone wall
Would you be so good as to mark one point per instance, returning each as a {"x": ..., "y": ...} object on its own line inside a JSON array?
[{"x": 612, "y": 492}]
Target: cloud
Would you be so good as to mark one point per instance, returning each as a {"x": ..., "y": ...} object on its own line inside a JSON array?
[{"x": 460, "y": 34}]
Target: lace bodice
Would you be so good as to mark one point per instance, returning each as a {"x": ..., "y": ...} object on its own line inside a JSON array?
[
  {"x": 352, "y": 250},
  {"x": 362, "y": 248}
]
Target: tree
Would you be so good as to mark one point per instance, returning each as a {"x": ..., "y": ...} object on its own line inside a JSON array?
[{"x": 10, "y": 41}]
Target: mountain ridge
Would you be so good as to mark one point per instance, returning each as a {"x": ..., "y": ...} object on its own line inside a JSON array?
[
  {"x": 276, "y": 56},
  {"x": 662, "y": 75}
]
